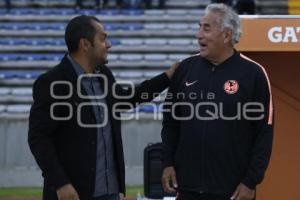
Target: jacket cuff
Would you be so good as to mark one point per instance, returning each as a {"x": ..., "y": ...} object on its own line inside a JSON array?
[
  {"x": 60, "y": 184},
  {"x": 167, "y": 164},
  {"x": 58, "y": 180},
  {"x": 250, "y": 184}
]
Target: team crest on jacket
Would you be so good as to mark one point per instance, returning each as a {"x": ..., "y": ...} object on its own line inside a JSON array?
[{"x": 231, "y": 86}]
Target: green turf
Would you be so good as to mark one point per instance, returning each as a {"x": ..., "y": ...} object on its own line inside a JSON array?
[
  {"x": 20, "y": 192},
  {"x": 134, "y": 190},
  {"x": 37, "y": 192}
]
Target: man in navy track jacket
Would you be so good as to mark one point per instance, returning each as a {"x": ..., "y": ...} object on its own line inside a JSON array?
[{"x": 218, "y": 117}]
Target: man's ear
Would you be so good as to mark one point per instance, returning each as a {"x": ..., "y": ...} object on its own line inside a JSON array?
[
  {"x": 227, "y": 35},
  {"x": 84, "y": 44}
]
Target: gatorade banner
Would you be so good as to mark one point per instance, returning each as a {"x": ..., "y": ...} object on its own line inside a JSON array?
[{"x": 270, "y": 33}]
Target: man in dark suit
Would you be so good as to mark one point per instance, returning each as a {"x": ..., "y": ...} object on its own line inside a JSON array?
[{"x": 73, "y": 135}]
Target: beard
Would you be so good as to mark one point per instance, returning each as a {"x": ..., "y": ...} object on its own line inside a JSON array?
[
  {"x": 105, "y": 61},
  {"x": 102, "y": 61}
]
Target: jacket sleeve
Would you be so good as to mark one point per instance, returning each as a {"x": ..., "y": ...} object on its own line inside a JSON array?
[
  {"x": 170, "y": 126},
  {"x": 261, "y": 151},
  {"x": 144, "y": 92},
  {"x": 41, "y": 134}
]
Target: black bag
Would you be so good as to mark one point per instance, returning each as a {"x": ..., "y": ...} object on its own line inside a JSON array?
[{"x": 153, "y": 171}]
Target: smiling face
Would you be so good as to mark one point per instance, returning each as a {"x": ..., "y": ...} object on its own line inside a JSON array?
[
  {"x": 213, "y": 41},
  {"x": 99, "y": 49}
]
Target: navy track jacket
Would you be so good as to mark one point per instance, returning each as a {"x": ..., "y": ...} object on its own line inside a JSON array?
[{"x": 206, "y": 134}]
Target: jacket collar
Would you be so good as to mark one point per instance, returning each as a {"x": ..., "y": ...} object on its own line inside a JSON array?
[
  {"x": 233, "y": 57},
  {"x": 68, "y": 70}
]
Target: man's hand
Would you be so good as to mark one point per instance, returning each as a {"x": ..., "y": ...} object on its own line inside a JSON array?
[
  {"x": 169, "y": 175},
  {"x": 172, "y": 69},
  {"x": 242, "y": 192},
  {"x": 67, "y": 192}
]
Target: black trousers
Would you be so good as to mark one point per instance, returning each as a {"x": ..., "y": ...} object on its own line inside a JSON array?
[{"x": 187, "y": 195}]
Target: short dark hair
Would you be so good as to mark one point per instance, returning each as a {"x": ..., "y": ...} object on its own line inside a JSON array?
[{"x": 80, "y": 27}]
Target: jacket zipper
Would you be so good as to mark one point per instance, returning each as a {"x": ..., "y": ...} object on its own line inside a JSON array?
[{"x": 202, "y": 188}]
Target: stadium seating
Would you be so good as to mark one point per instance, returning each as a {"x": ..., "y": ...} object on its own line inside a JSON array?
[{"x": 144, "y": 42}]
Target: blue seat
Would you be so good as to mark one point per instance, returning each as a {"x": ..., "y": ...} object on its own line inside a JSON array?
[
  {"x": 147, "y": 108},
  {"x": 22, "y": 11},
  {"x": 178, "y": 26},
  {"x": 21, "y": 91},
  {"x": 62, "y": 1},
  {"x": 65, "y": 11},
  {"x": 113, "y": 57},
  {"x": 6, "y": 75},
  {"x": 113, "y": 41},
  {"x": 15, "y": 26},
  {"x": 179, "y": 42},
  {"x": 131, "y": 74},
  {"x": 33, "y": 11},
  {"x": 109, "y": 12},
  {"x": 27, "y": 75},
  {"x": 31, "y": 57},
  {"x": 112, "y": 27},
  {"x": 32, "y": 26},
  {"x": 131, "y": 57},
  {"x": 196, "y": 12},
  {"x": 134, "y": 110},
  {"x": 176, "y": 12},
  {"x": 133, "y": 12},
  {"x": 23, "y": 26},
  {"x": 59, "y": 42},
  {"x": 132, "y": 26},
  {"x": 131, "y": 42},
  {"x": 155, "y": 26},
  {"x": 6, "y": 42},
  {"x": 151, "y": 74},
  {"x": 155, "y": 57},
  {"x": 2, "y": 108},
  {"x": 87, "y": 12},
  {"x": 21, "y": 42},
  {"x": 42, "y": 27},
  {"x": 47, "y": 26},
  {"x": 4, "y": 26},
  {"x": 39, "y": 42},
  {"x": 12, "y": 26},
  {"x": 178, "y": 57},
  {"x": 8, "y": 57},
  {"x": 57, "y": 26},
  {"x": 3, "y": 11},
  {"x": 15, "y": 42},
  {"x": 42, "y": 42},
  {"x": 45, "y": 11},
  {"x": 33, "y": 75},
  {"x": 155, "y": 42},
  {"x": 5, "y": 91},
  {"x": 20, "y": 75},
  {"x": 154, "y": 12},
  {"x": 14, "y": 109},
  {"x": 194, "y": 26},
  {"x": 53, "y": 57}
]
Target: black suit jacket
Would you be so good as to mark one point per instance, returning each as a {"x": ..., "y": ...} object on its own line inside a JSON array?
[{"x": 65, "y": 151}]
